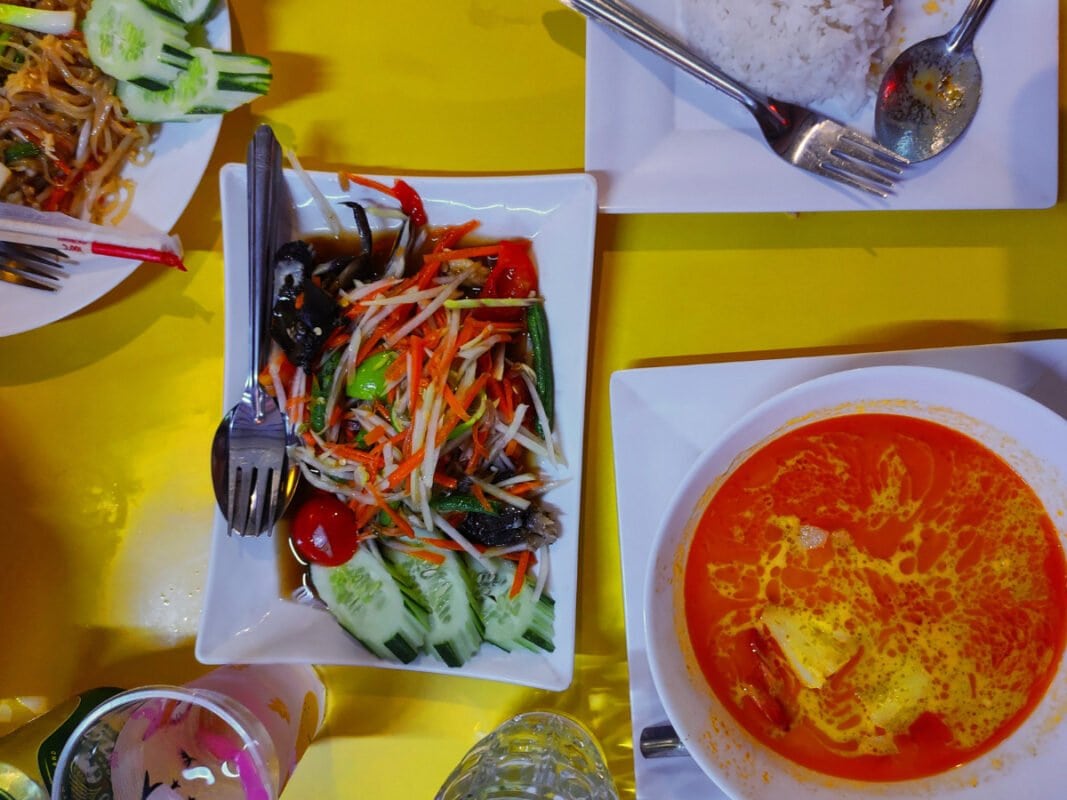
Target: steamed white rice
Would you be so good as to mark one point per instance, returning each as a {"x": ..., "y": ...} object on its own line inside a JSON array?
[{"x": 814, "y": 52}]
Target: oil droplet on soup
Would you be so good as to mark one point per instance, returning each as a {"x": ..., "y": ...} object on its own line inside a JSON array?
[{"x": 877, "y": 597}]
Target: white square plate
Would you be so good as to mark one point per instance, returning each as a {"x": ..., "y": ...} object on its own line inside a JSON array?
[
  {"x": 668, "y": 416},
  {"x": 245, "y": 617},
  {"x": 659, "y": 140}
]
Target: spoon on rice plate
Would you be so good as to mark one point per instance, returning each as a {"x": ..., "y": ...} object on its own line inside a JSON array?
[{"x": 930, "y": 93}]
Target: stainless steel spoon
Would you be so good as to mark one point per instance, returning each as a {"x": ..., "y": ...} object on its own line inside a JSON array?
[
  {"x": 930, "y": 94},
  {"x": 661, "y": 741},
  {"x": 253, "y": 477}
]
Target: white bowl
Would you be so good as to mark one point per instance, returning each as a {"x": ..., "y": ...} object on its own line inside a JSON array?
[{"x": 1030, "y": 437}]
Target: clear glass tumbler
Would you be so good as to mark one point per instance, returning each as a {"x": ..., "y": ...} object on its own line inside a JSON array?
[{"x": 539, "y": 755}]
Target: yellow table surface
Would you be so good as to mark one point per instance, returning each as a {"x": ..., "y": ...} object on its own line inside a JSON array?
[{"x": 108, "y": 415}]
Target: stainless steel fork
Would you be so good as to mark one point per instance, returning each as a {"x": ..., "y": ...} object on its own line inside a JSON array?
[
  {"x": 801, "y": 136},
  {"x": 250, "y": 466},
  {"x": 32, "y": 267}
]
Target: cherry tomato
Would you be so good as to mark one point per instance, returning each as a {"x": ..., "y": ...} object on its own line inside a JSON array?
[
  {"x": 324, "y": 531},
  {"x": 513, "y": 275}
]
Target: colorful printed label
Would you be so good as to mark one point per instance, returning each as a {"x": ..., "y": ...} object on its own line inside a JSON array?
[{"x": 52, "y": 746}]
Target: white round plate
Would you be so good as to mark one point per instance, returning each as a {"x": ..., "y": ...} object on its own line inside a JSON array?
[{"x": 164, "y": 186}]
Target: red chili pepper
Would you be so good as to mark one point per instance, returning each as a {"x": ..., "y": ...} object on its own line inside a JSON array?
[{"x": 410, "y": 202}]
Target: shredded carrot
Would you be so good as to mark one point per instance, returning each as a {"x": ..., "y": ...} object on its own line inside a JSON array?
[
  {"x": 479, "y": 495},
  {"x": 335, "y": 417},
  {"x": 470, "y": 329},
  {"x": 465, "y": 252},
  {"x": 449, "y": 544},
  {"x": 397, "y": 520},
  {"x": 520, "y": 574},
  {"x": 375, "y": 434},
  {"x": 451, "y": 422},
  {"x": 336, "y": 339},
  {"x": 382, "y": 331},
  {"x": 350, "y": 453},
  {"x": 295, "y": 402},
  {"x": 426, "y": 555},
  {"x": 370, "y": 183},
  {"x": 444, "y": 430},
  {"x": 445, "y": 364},
  {"x": 517, "y": 555},
  {"x": 454, "y": 404},
  {"x": 478, "y": 449},
  {"x": 444, "y": 544},
  {"x": 520, "y": 489},
  {"x": 474, "y": 390},
  {"x": 396, "y": 370},
  {"x": 364, "y": 513},
  {"x": 453, "y": 235},
  {"x": 425, "y": 276},
  {"x": 431, "y": 337},
  {"x": 405, "y": 468},
  {"x": 507, "y": 404},
  {"x": 443, "y": 480}
]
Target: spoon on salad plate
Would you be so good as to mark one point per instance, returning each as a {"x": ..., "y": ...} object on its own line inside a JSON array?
[{"x": 930, "y": 93}]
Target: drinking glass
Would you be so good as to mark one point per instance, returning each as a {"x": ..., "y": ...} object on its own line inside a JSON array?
[
  {"x": 539, "y": 755},
  {"x": 235, "y": 734}
]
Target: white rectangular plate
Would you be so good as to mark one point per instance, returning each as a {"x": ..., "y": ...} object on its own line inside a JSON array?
[
  {"x": 668, "y": 416},
  {"x": 659, "y": 140},
  {"x": 245, "y": 617}
]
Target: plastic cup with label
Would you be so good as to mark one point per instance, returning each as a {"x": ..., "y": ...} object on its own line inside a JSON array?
[
  {"x": 539, "y": 755},
  {"x": 235, "y": 734}
]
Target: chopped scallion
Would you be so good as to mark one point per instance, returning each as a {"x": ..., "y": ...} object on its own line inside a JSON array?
[{"x": 35, "y": 19}]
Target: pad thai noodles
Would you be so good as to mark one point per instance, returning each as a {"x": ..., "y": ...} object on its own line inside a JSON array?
[{"x": 64, "y": 136}]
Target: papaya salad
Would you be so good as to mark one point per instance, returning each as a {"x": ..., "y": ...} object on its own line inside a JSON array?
[{"x": 417, "y": 372}]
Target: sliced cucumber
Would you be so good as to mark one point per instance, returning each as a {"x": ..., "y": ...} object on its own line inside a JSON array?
[
  {"x": 448, "y": 591},
  {"x": 512, "y": 622},
  {"x": 214, "y": 83},
  {"x": 134, "y": 42},
  {"x": 188, "y": 11},
  {"x": 374, "y": 603}
]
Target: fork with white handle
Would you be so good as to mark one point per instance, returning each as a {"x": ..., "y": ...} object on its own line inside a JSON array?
[{"x": 801, "y": 136}]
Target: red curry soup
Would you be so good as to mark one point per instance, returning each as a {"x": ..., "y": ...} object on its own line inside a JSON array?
[{"x": 876, "y": 597}]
